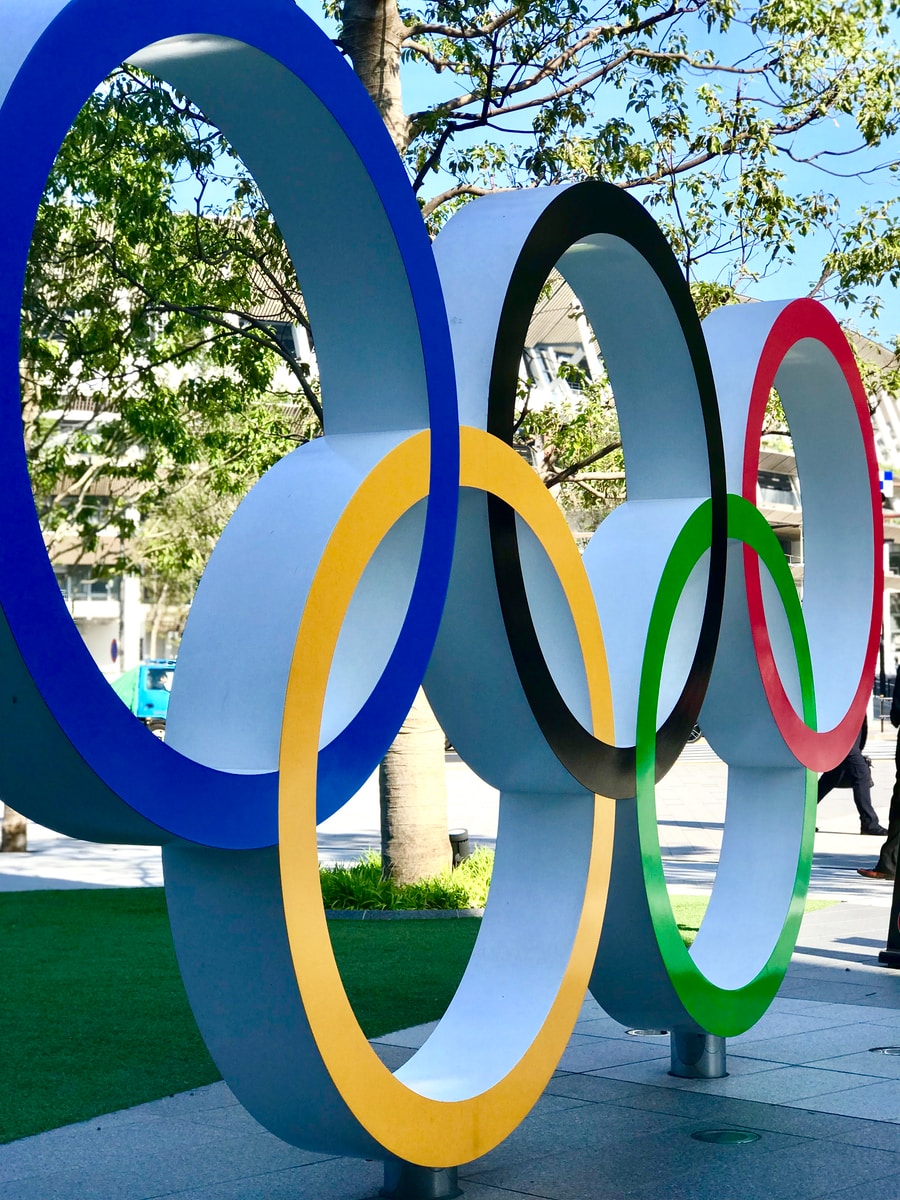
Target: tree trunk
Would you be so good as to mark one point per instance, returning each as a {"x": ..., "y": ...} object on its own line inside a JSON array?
[
  {"x": 15, "y": 832},
  {"x": 413, "y": 790},
  {"x": 156, "y": 619},
  {"x": 372, "y": 32},
  {"x": 413, "y": 787}
]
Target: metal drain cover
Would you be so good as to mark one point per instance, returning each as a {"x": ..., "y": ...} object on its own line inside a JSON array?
[
  {"x": 885, "y": 1050},
  {"x": 646, "y": 1032},
  {"x": 726, "y": 1137}
]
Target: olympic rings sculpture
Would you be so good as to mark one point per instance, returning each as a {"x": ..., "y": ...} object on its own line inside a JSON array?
[{"x": 412, "y": 543}]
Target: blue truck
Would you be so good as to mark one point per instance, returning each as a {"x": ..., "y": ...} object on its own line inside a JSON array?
[{"x": 145, "y": 689}]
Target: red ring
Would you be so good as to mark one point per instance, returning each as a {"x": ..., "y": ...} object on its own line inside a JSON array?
[{"x": 799, "y": 320}]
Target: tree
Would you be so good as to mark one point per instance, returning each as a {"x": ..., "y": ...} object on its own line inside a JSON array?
[
  {"x": 734, "y": 122},
  {"x": 155, "y": 375},
  {"x": 738, "y": 124},
  {"x": 13, "y": 832},
  {"x": 415, "y": 843}
]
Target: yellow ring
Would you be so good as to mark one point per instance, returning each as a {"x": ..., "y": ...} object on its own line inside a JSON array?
[{"x": 412, "y": 1126}]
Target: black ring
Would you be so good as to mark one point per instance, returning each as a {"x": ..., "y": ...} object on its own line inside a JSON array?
[{"x": 579, "y": 212}]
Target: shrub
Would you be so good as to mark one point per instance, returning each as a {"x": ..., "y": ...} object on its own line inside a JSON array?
[{"x": 360, "y": 885}]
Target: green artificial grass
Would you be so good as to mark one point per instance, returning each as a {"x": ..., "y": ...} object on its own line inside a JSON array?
[
  {"x": 94, "y": 1012},
  {"x": 95, "y": 1017},
  {"x": 401, "y": 973},
  {"x": 689, "y": 912}
]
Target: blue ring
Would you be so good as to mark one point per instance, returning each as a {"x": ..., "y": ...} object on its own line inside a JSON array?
[{"x": 164, "y": 794}]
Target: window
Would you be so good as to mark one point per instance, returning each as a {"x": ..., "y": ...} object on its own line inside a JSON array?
[
  {"x": 778, "y": 489},
  {"x": 85, "y": 583}
]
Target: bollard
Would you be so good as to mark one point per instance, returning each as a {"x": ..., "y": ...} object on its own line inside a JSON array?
[
  {"x": 697, "y": 1055},
  {"x": 407, "y": 1181}
]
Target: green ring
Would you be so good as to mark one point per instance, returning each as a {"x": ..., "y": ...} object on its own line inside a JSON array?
[{"x": 721, "y": 1011}]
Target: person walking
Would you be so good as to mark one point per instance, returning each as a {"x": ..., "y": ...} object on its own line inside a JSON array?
[
  {"x": 854, "y": 772},
  {"x": 886, "y": 867}
]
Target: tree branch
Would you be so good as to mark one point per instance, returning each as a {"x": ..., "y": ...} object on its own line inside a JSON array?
[
  {"x": 560, "y": 62},
  {"x": 460, "y": 33},
  {"x": 729, "y": 146},
  {"x": 461, "y": 189},
  {"x": 575, "y": 468}
]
